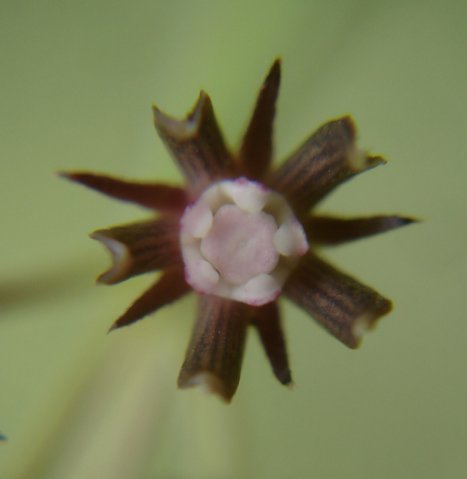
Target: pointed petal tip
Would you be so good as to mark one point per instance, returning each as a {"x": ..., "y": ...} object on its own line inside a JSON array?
[
  {"x": 121, "y": 322},
  {"x": 202, "y": 98},
  {"x": 186, "y": 128},
  {"x": 203, "y": 103},
  {"x": 163, "y": 121},
  {"x": 290, "y": 385},
  {"x": 360, "y": 161},
  {"x": 105, "y": 278},
  {"x": 62, "y": 174},
  {"x": 256, "y": 149},
  {"x": 285, "y": 379},
  {"x": 400, "y": 221},
  {"x": 155, "y": 196},
  {"x": 85, "y": 178},
  {"x": 406, "y": 220},
  {"x": 331, "y": 231},
  {"x": 168, "y": 288},
  {"x": 208, "y": 383},
  {"x": 396, "y": 221},
  {"x": 267, "y": 322},
  {"x": 76, "y": 176},
  {"x": 275, "y": 70},
  {"x": 374, "y": 161},
  {"x": 73, "y": 175},
  {"x": 368, "y": 321},
  {"x": 272, "y": 82},
  {"x": 118, "y": 324},
  {"x": 113, "y": 327},
  {"x": 348, "y": 122},
  {"x": 120, "y": 258}
]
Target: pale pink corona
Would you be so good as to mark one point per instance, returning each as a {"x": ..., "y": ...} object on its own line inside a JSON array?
[{"x": 240, "y": 241}]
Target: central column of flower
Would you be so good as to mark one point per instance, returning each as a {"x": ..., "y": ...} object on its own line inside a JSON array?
[{"x": 240, "y": 240}]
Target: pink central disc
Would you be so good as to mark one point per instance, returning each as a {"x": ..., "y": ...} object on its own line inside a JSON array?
[{"x": 240, "y": 244}]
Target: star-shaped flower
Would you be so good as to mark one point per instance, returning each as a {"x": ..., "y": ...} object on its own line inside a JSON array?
[{"x": 241, "y": 235}]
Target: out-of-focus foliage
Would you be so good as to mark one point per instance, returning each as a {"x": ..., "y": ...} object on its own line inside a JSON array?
[{"x": 77, "y": 82}]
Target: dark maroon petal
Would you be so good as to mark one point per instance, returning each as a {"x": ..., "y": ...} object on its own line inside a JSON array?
[
  {"x": 214, "y": 356},
  {"x": 345, "y": 307},
  {"x": 150, "y": 195},
  {"x": 329, "y": 231},
  {"x": 169, "y": 287},
  {"x": 325, "y": 160},
  {"x": 196, "y": 144},
  {"x": 256, "y": 150},
  {"x": 140, "y": 247},
  {"x": 266, "y": 319}
]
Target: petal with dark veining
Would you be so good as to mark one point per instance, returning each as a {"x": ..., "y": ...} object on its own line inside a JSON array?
[
  {"x": 325, "y": 160},
  {"x": 197, "y": 144},
  {"x": 267, "y": 321},
  {"x": 330, "y": 231},
  {"x": 214, "y": 356},
  {"x": 149, "y": 195},
  {"x": 256, "y": 150},
  {"x": 344, "y": 306},
  {"x": 140, "y": 247},
  {"x": 167, "y": 289}
]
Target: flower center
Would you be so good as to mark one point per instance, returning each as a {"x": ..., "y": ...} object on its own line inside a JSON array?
[
  {"x": 240, "y": 240},
  {"x": 240, "y": 244}
]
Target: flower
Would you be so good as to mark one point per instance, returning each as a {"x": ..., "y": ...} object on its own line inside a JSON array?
[{"x": 240, "y": 235}]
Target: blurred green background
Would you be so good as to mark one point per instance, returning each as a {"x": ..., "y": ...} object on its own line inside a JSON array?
[{"x": 77, "y": 81}]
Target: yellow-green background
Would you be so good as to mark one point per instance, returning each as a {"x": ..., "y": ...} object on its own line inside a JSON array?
[{"x": 77, "y": 79}]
